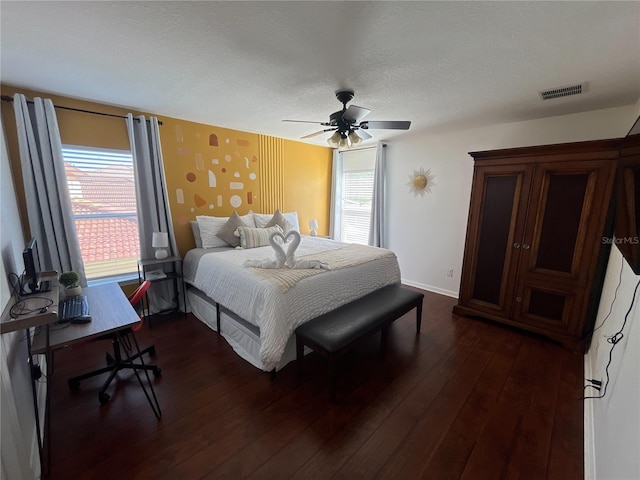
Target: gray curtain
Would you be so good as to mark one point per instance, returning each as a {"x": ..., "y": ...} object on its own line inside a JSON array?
[
  {"x": 377, "y": 236},
  {"x": 45, "y": 184},
  {"x": 154, "y": 214},
  {"x": 336, "y": 194}
]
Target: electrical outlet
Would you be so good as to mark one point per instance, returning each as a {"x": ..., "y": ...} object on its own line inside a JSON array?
[{"x": 449, "y": 272}]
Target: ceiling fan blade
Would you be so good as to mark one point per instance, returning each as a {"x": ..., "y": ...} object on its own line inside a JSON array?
[
  {"x": 318, "y": 133},
  {"x": 363, "y": 134},
  {"x": 353, "y": 113},
  {"x": 306, "y": 121},
  {"x": 391, "y": 125}
]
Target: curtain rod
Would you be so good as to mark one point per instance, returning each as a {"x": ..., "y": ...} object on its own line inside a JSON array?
[
  {"x": 384, "y": 145},
  {"x": 6, "y": 98}
]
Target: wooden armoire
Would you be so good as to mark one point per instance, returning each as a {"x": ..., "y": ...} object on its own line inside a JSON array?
[{"x": 538, "y": 232}]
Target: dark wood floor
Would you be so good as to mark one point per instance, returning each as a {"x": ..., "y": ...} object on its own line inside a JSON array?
[{"x": 464, "y": 399}]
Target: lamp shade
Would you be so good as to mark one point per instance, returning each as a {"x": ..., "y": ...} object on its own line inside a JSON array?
[
  {"x": 354, "y": 138},
  {"x": 160, "y": 240},
  {"x": 334, "y": 139}
]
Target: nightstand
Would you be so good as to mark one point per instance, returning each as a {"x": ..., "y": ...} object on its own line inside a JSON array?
[{"x": 167, "y": 269}]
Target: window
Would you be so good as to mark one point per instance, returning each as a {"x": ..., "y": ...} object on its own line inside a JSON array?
[
  {"x": 356, "y": 195},
  {"x": 103, "y": 198}
]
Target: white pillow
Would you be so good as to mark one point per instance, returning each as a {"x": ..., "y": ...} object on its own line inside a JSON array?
[
  {"x": 210, "y": 226},
  {"x": 263, "y": 218}
]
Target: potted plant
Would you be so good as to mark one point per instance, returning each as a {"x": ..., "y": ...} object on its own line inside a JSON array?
[{"x": 70, "y": 282}]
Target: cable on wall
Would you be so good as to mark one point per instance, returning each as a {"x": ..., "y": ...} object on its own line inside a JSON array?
[{"x": 613, "y": 340}]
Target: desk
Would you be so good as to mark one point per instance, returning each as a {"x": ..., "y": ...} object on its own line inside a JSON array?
[
  {"x": 110, "y": 311},
  {"x": 111, "y": 314}
]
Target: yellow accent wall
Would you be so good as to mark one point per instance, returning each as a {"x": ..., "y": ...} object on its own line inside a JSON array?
[
  {"x": 209, "y": 170},
  {"x": 307, "y": 184}
]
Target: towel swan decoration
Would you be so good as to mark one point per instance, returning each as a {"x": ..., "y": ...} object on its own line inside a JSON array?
[{"x": 287, "y": 259}]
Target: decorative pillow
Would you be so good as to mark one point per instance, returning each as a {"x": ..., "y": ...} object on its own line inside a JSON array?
[
  {"x": 227, "y": 232},
  {"x": 278, "y": 219},
  {"x": 196, "y": 233},
  {"x": 209, "y": 227},
  {"x": 256, "y": 237}
]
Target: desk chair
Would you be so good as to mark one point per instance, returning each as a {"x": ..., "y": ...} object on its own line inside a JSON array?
[{"x": 116, "y": 362}]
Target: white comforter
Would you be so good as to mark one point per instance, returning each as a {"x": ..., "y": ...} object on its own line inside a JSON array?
[{"x": 261, "y": 302}]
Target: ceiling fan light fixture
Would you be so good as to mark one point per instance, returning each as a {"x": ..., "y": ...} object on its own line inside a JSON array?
[
  {"x": 334, "y": 140},
  {"x": 344, "y": 143},
  {"x": 354, "y": 138}
]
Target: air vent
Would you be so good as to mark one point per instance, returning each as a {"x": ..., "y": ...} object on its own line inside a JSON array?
[{"x": 561, "y": 92}]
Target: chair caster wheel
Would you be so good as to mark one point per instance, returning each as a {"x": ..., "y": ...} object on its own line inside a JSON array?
[
  {"x": 109, "y": 358},
  {"x": 157, "y": 372},
  {"x": 74, "y": 385},
  {"x": 103, "y": 398}
]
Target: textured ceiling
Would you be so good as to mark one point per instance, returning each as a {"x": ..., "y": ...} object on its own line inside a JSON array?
[{"x": 249, "y": 65}]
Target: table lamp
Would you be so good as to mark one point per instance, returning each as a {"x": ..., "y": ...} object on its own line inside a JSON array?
[
  {"x": 160, "y": 241},
  {"x": 313, "y": 224}
]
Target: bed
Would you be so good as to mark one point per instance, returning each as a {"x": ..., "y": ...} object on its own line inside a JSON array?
[{"x": 259, "y": 312}]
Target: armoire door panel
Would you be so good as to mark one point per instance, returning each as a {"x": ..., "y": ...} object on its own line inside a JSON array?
[
  {"x": 561, "y": 221},
  {"x": 549, "y": 308},
  {"x": 563, "y": 214},
  {"x": 499, "y": 205}
]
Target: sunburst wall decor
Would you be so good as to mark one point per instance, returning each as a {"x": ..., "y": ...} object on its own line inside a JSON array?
[{"x": 421, "y": 181}]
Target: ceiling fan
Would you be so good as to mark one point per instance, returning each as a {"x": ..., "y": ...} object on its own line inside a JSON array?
[{"x": 347, "y": 125}]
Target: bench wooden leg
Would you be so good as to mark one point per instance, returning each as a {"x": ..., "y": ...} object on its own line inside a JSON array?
[
  {"x": 333, "y": 367},
  {"x": 384, "y": 335},
  {"x": 299, "y": 356},
  {"x": 218, "y": 318},
  {"x": 418, "y": 316}
]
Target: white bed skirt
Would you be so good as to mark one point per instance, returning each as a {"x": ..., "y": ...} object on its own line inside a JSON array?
[{"x": 243, "y": 337}]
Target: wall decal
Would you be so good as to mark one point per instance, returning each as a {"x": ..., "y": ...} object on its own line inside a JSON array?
[
  {"x": 213, "y": 140},
  {"x": 198, "y": 135},
  {"x": 179, "y": 134},
  {"x": 191, "y": 177},
  {"x": 237, "y": 174},
  {"x": 211, "y": 206},
  {"x": 235, "y": 201},
  {"x": 198, "y": 200},
  {"x": 250, "y": 198},
  {"x": 420, "y": 182},
  {"x": 183, "y": 151},
  {"x": 199, "y": 162},
  {"x": 236, "y": 185},
  {"x": 212, "y": 179},
  {"x": 183, "y": 219},
  {"x": 242, "y": 142},
  {"x": 228, "y": 141},
  {"x": 254, "y": 159},
  {"x": 215, "y": 161},
  {"x": 180, "y": 196},
  {"x": 227, "y": 157},
  {"x": 224, "y": 170},
  {"x": 219, "y": 200},
  {"x": 237, "y": 154},
  {"x": 246, "y": 162},
  {"x": 252, "y": 176}
]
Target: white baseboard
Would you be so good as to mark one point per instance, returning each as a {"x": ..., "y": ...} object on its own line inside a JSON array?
[
  {"x": 589, "y": 437},
  {"x": 430, "y": 288}
]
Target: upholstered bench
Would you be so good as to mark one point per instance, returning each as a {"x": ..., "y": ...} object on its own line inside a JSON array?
[{"x": 336, "y": 332}]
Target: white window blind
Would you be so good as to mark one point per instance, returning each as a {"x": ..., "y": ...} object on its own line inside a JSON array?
[
  {"x": 103, "y": 197},
  {"x": 357, "y": 194}
]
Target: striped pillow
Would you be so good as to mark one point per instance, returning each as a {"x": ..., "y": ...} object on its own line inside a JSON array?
[{"x": 256, "y": 237}]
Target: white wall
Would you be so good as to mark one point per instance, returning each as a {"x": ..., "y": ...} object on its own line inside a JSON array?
[
  {"x": 18, "y": 450},
  {"x": 427, "y": 234},
  {"x": 612, "y": 423}
]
